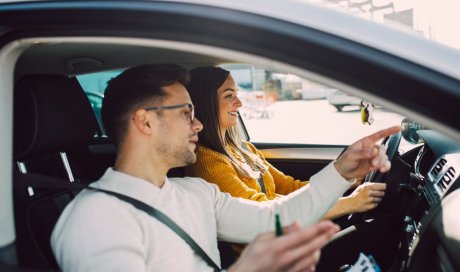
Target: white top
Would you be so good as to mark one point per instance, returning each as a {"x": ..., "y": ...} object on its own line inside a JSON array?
[{"x": 99, "y": 232}]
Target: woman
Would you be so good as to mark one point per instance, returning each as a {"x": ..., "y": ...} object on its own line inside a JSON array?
[{"x": 236, "y": 166}]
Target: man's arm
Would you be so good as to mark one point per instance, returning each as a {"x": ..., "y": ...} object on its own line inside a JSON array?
[{"x": 239, "y": 220}]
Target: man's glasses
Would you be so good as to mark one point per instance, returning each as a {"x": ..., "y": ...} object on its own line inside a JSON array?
[{"x": 190, "y": 114}]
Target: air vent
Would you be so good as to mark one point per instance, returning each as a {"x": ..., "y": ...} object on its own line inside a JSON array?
[
  {"x": 438, "y": 168},
  {"x": 445, "y": 173},
  {"x": 446, "y": 179}
]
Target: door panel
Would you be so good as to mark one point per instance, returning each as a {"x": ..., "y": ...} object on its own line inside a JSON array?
[{"x": 299, "y": 161}]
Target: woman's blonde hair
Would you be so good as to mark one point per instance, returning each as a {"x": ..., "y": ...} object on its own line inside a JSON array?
[{"x": 255, "y": 163}]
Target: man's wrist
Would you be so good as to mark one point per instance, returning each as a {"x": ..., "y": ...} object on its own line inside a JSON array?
[{"x": 351, "y": 180}]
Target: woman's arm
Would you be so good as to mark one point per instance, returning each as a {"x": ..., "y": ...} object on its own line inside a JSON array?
[{"x": 366, "y": 197}]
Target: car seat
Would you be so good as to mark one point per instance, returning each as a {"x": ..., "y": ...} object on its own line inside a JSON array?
[{"x": 52, "y": 117}]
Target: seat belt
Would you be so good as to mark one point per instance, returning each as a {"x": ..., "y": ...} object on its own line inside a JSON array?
[
  {"x": 261, "y": 183},
  {"x": 260, "y": 179},
  {"x": 40, "y": 181}
]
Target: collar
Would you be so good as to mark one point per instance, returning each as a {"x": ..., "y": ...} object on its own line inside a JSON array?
[{"x": 132, "y": 186}]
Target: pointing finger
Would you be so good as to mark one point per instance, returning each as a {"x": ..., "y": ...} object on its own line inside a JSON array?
[
  {"x": 385, "y": 167},
  {"x": 383, "y": 133}
]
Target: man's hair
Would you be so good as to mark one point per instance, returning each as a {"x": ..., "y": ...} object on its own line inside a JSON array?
[{"x": 136, "y": 88}]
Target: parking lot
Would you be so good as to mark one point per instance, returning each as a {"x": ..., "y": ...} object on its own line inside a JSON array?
[{"x": 315, "y": 122}]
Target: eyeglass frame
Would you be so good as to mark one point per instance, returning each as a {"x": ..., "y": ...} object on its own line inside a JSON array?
[{"x": 190, "y": 105}]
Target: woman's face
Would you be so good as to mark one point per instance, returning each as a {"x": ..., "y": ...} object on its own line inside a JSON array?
[{"x": 229, "y": 103}]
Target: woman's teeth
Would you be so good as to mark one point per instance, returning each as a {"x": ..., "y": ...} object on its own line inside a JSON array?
[{"x": 234, "y": 113}]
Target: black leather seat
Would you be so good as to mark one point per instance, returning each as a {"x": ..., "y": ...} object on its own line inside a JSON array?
[
  {"x": 51, "y": 114},
  {"x": 52, "y": 117}
]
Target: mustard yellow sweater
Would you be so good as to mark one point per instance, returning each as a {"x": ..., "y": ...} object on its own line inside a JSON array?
[{"x": 217, "y": 168}]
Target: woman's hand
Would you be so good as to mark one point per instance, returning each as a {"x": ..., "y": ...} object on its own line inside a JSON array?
[{"x": 366, "y": 197}]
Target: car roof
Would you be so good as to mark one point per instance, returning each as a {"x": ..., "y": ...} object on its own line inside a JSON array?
[{"x": 391, "y": 38}]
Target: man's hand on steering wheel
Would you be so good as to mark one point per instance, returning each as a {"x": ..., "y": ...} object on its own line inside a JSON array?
[{"x": 365, "y": 156}]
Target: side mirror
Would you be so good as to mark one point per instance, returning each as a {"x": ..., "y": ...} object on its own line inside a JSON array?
[{"x": 409, "y": 131}]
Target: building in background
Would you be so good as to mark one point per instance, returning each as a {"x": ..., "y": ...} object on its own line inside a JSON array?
[{"x": 434, "y": 20}]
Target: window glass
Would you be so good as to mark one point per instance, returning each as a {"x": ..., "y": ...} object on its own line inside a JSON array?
[
  {"x": 284, "y": 108},
  {"x": 281, "y": 108},
  {"x": 94, "y": 85}
]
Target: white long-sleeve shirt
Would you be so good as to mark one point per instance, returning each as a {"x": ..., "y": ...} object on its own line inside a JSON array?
[{"x": 99, "y": 232}]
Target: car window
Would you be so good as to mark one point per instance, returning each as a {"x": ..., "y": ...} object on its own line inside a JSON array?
[
  {"x": 94, "y": 85},
  {"x": 322, "y": 115},
  {"x": 285, "y": 108}
]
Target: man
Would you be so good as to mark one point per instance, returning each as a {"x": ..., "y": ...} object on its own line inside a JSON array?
[{"x": 149, "y": 115}]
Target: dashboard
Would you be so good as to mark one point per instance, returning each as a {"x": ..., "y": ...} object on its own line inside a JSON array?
[
  {"x": 434, "y": 175},
  {"x": 438, "y": 165}
]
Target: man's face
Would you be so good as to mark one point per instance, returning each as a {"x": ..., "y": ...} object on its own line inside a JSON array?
[{"x": 177, "y": 135}]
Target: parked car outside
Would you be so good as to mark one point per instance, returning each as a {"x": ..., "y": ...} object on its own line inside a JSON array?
[
  {"x": 313, "y": 93},
  {"x": 339, "y": 99}
]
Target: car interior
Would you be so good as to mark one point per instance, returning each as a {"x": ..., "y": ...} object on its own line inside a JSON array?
[
  {"x": 57, "y": 137},
  {"x": 58, "y": 141}
]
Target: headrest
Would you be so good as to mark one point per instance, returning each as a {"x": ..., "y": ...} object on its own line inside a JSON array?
[{"x": 51, "y": 113}]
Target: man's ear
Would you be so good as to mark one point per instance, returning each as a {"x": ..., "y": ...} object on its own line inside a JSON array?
[{"x": 142, "y": 120}]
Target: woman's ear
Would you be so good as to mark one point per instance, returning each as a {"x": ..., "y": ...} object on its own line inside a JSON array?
[{"x": 142, "y": 121}]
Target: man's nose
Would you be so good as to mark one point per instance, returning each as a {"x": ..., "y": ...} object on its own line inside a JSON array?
[{"x": 197, "y": 125}]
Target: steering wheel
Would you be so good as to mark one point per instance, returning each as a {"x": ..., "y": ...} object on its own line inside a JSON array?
[{"x": 391, "y": 143}]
